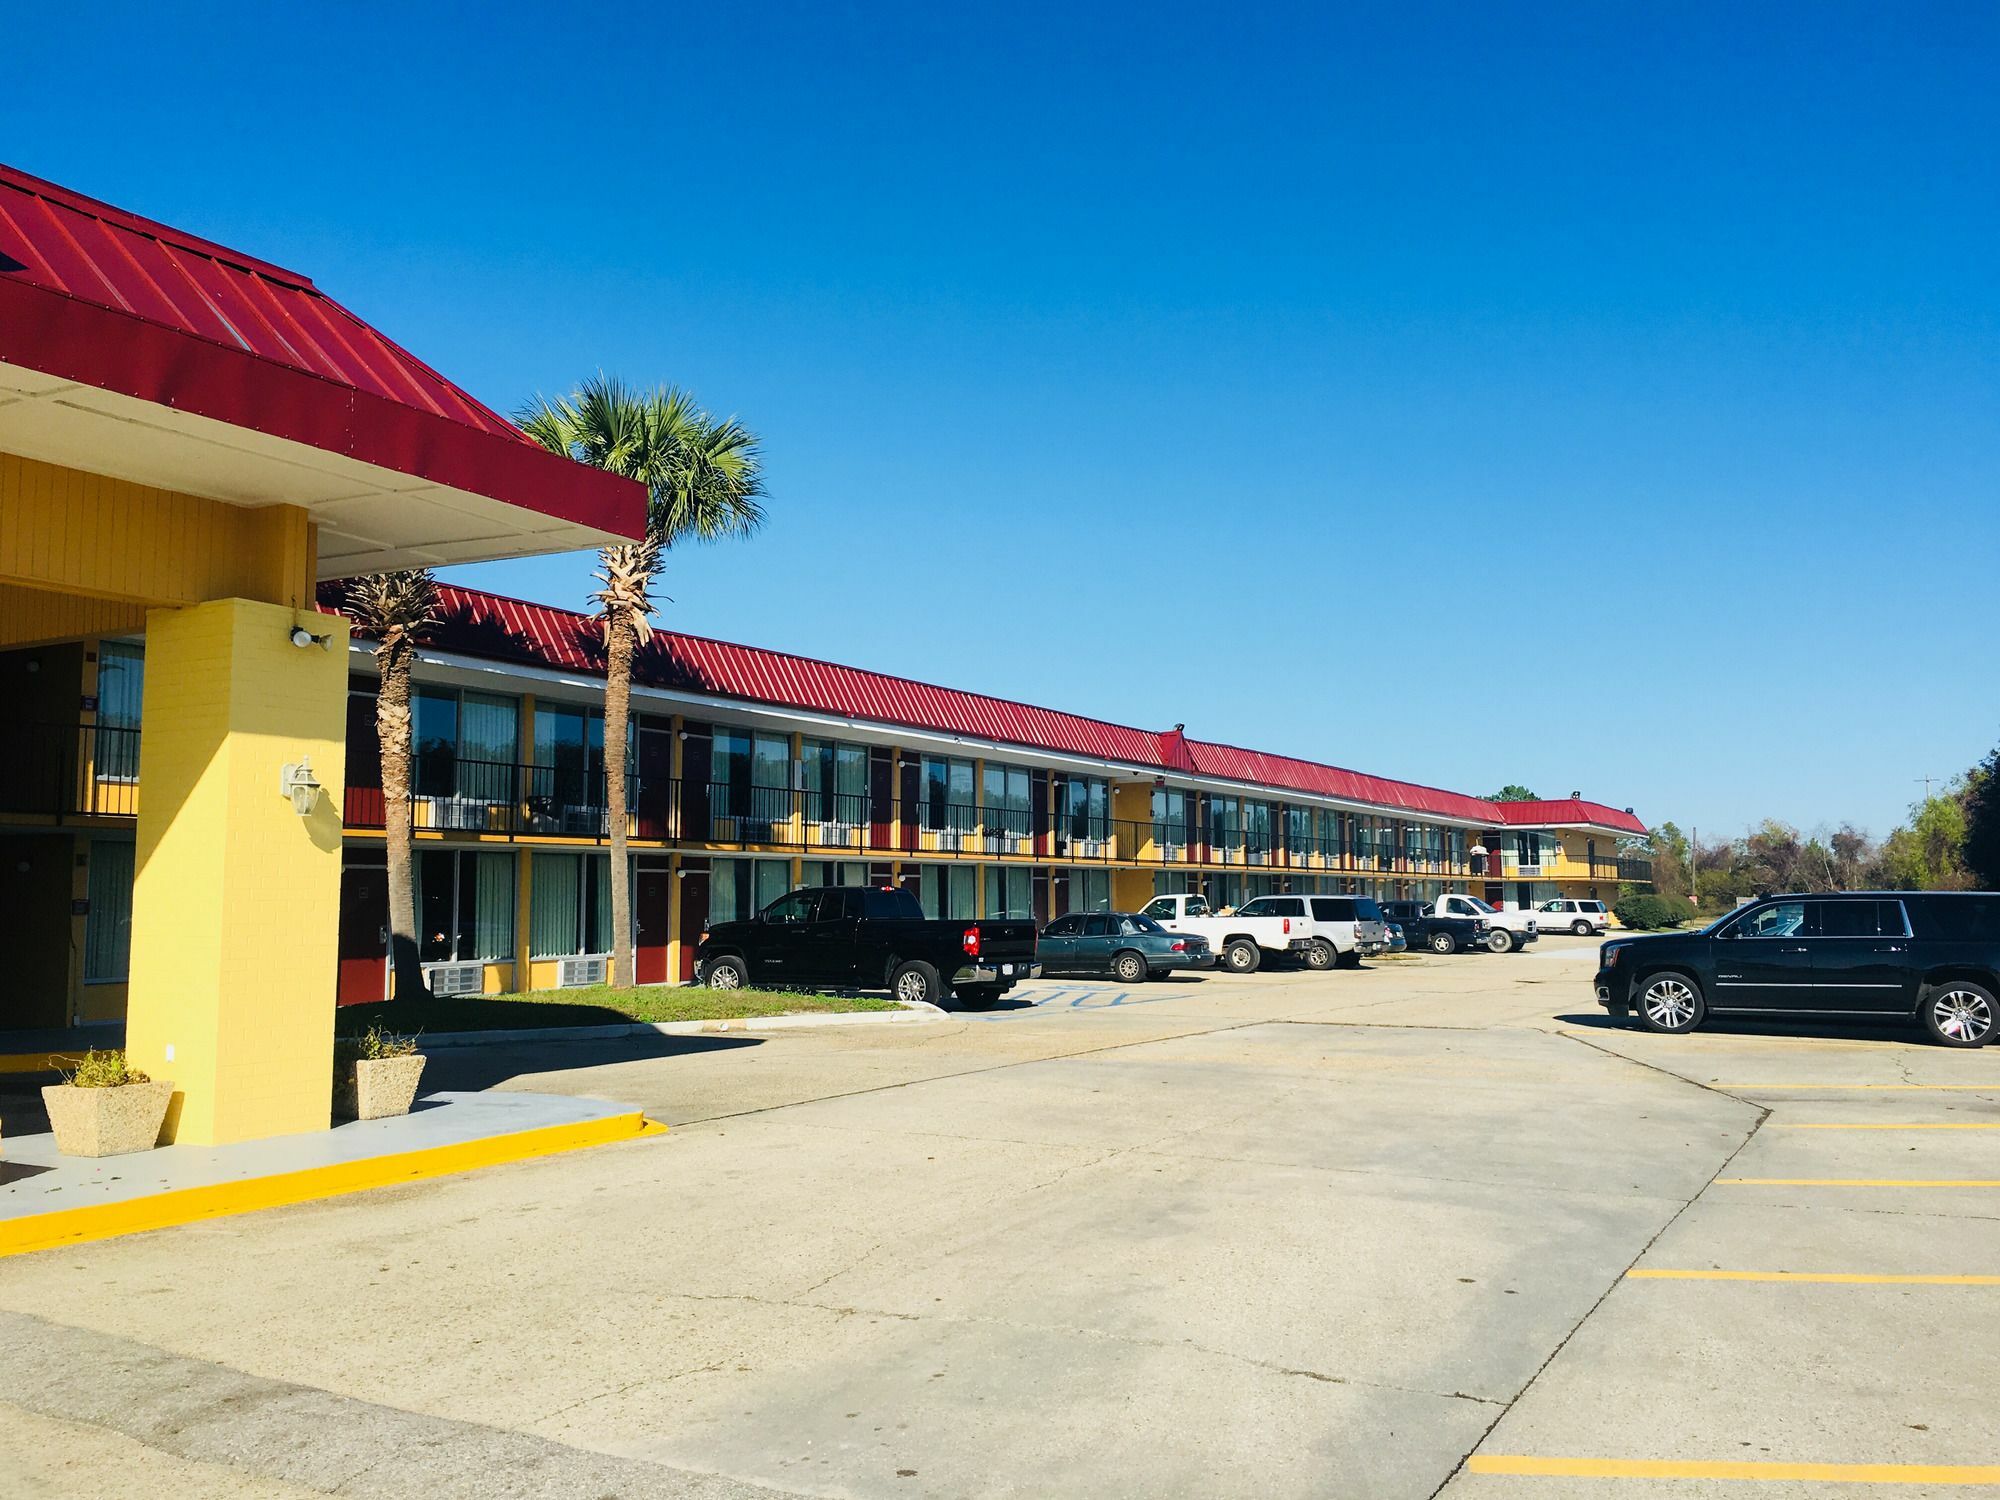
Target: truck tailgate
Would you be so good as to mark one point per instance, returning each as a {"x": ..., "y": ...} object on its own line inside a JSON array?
[{"x": 1002, "y": 939}]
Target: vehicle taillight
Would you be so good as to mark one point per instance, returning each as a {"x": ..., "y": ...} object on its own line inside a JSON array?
[
  {"x": 1180, "y": 947},
  {"x": 1288, "y": 924},
  {"x": 970, "y": 942}
]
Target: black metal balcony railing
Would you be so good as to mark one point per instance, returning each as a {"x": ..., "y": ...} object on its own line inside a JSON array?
[
  {"x": 494, "y": 799},
  {"x": 70, "y": 770}
]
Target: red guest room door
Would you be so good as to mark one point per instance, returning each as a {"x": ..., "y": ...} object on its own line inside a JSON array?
[
  {"x": 655, "y": 890},
  {"x": 364, "y": 935}
]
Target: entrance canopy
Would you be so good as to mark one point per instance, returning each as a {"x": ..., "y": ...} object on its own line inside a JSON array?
[{"x": 133, "y": 350}]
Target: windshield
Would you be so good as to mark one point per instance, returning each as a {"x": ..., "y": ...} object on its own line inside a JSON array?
[{"x": 1477, "y": 905}]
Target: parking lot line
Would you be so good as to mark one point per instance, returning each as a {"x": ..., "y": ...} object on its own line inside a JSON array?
[
  {"x": 1893, "y": 1088},
  {"x": 1899, "y": 1125},
  {"x": 1669, "y": 1468},
  {"x": 1918, "y": 1182},
  {"x": 1844, "y": 1278}
]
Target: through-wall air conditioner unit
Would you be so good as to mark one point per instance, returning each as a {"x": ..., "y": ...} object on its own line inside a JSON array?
[
  {"x": 1088, "y": 848},
  {"x": 1527, "y": 872},
  {"x": 459, "y": 813},
  {"x": 575, "y": 973},
  {"x": 949, "y": 839},
  {"x": 455, "y": 979},
  {"x": 836, "y": 835}
]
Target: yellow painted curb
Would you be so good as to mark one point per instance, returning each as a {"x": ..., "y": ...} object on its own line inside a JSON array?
[
  {"x": 1816, "y": 1125},
  {"x": 1841, "y": 1278},
  {"x": 103, "y": 1221},
  {"x": 1920, "y": 1182},
  {"x": 1668, "y": 1468}
]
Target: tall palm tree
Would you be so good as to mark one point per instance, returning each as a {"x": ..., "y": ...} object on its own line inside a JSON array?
[
  {"x": 397, "y": 608},
  {"x": 704, "y": 480}
]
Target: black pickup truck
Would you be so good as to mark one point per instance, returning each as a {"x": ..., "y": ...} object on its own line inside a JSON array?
[
  {"x": 1436, "y": 934},
  {"x": 868, "y": 938},
  {"x": 1932, "y": 957}
]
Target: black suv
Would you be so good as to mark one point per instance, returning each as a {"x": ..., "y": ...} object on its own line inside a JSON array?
[{"x": 1928, "y": 956}]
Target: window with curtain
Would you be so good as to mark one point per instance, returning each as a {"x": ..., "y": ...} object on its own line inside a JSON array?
[
  {"x": 570, "y": 897},
  {"x": 488, "y": 745},
  {"x": 835, "y": 781},
  {"x": 121, "y": 692},
  {"x": 107, "y": 930},
  {"x": 434, "y": 742},
  {"x": 750, "y": 777},
  {"x": 1225, "y": 822},
  {"x": 1086, "y": 808},
  {"x": 1007, "y": 793},
  {"x": 1009, "y": 892},
  {"x": 1257, "y": 827},
  {"x": 569, "y": 756},
  {"x": 465, "y": 905},
  {"x": 1170, "y": 817},
  {"x": 1090, "y": 890},
  {"x": 947, "y": 794}
]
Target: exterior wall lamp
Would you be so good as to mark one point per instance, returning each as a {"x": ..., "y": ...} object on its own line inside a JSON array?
[{"x": 298, "y": 783}]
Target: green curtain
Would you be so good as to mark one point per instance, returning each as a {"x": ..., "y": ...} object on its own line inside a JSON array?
[
  {"x": 107, "y": 931},
  {"x": 555, "y": 913},
  {"x": 492, "y": 905}
]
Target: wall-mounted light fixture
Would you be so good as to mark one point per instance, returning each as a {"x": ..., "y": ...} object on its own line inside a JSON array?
[
  {"x": 297, "y": 782},
  {"x": 302, "y": 638}
]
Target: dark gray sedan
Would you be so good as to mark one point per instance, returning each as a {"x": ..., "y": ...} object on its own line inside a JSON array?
[{"x": 1121, "y": 944}]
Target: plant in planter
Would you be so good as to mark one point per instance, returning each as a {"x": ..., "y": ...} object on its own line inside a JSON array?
[
  {"x": 105, "y": 1108},
  {"x": 375, "y": 1075}
]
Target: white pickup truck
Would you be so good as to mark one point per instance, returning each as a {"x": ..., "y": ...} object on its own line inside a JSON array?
[
  {"x": 1507, "y": 931},
  {"x": 1245, "y": 938}
]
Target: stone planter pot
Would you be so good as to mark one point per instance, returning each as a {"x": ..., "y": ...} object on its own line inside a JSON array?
[
  {"x": 107, "y": 1122},
  {"x": 375, "y": 1089}
]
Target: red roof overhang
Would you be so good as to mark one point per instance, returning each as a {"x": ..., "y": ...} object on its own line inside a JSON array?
[{"x": 92, "y": 295}]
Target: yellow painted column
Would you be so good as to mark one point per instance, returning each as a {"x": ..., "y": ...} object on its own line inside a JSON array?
[
  {"x": 236, "y": 900},
  {"x": 524, "y": 908}
]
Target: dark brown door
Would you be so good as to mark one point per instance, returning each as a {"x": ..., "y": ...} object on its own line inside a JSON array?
[
  {"x": 364, "y": 935},
  {"x": 694, "y": 916},
  {"x": 655, "y": 896}
]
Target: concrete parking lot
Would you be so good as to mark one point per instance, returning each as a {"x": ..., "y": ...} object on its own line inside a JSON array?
[{"x": 1429, "y": 1227}]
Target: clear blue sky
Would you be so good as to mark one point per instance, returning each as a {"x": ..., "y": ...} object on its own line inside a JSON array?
[{"x": 1601, "y": 398}]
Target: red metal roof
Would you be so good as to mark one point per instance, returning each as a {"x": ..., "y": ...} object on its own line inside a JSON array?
[
  {"x": 479, "y": 624},
  {"x": 1569, "y": 810},
  {"x": 91, "y": 293}
]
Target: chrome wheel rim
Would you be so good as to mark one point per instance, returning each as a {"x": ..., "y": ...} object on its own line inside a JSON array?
[
  {"x": 1962, "y": 1015},
  {"x": 1128, "y": 969},
  {"x": 724, "y": 977},
  {"x": 1441, "y": 944},
  {"x": 912, "y": 987},
  {"x": 1239, "y": 958},
  {"x": 1669, "y": 1004},
  {"x": 1321, "y": 957}
]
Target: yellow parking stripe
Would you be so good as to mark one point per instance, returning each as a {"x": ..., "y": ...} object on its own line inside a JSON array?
[
  {"x": 1844, "y": 1278},
  {"x": 1669, "y": 1468},
  {"x": 1924, "y": 1182},
  {"x": 1906, "y": 1125},
  {"x": 1892, "y": 1088}
]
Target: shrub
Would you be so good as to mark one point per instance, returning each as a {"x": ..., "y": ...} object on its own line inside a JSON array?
[
  {"x": 373, "y": 1045},
  {"x": 1646, "y": 911},
  {"x": 104, "y": 1070}
]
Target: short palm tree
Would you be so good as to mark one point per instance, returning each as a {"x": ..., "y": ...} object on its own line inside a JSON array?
[
  {"x": 396, "y": 609},
  {"x": 704, "y": 480}
]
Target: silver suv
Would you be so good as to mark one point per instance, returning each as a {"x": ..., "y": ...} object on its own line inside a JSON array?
[{"x": 1584, "y": 918}]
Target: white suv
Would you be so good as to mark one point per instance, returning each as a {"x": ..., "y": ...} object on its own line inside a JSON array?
[{"x": 1584, "y": 918}]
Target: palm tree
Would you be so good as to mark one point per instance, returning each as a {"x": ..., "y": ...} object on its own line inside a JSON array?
[
  {"x": 704, "y": 480},
  {"x": 397, "y": 608}
]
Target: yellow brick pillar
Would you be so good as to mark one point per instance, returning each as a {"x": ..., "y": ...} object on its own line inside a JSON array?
[{"x": 236, "y": 900}]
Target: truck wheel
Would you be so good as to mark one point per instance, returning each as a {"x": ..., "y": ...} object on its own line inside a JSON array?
[
  {"x": 1581, "y": 929},
  {"x": 1500, "y": 940},
  {"x": 916, "y": 982},
  {"x": 1443, "y": 942},
  {"x": 1129, "y": 967},
  {"x": 1958, "y": 1013},
  {"x": 1320, "y": 955},
  {"x": 1670, "y": 1002},
  {"x": 976, "y": 996},
  {"x": 1241, "y": 957},
  {"x": 726, "y": 973}
]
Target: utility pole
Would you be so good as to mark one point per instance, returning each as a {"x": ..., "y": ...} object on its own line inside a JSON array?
[
  {"x": 1694, "y": 843},
  {"x": 1927, "y": 780}
]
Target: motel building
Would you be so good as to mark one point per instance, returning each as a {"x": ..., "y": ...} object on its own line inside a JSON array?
[
  {"x": 195, "y": 444},
  {"x": 191, "y": 440}
]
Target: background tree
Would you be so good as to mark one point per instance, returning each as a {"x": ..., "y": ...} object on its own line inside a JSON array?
[
  {"x": 396, "y": 609},
  {"x": 704, "y": 480},
  {"x": 1513, "y": 793},
  {"x": 1982, "y": 823}
]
